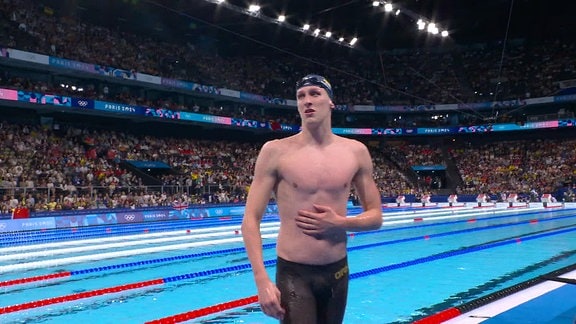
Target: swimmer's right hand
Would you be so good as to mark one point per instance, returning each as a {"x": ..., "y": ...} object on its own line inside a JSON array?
[{"x": 269, "y": 299}]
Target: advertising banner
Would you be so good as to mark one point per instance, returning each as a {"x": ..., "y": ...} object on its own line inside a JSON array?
[{"x": 28, "y": 224}]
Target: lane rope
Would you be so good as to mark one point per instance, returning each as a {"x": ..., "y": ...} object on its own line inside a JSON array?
[
  {"x": 437, "y": 318},
  {"x": 267, "y": 246},
  {"x": 154, "y": 282}
]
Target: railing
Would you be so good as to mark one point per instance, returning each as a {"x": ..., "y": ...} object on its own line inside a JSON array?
[{"x": 88, "y": 197}]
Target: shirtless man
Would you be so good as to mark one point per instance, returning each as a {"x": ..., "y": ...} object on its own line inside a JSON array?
[{"x": 311, "y": 175}]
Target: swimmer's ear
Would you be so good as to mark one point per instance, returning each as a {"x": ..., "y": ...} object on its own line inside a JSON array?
[{"x": 332, "y": 105}]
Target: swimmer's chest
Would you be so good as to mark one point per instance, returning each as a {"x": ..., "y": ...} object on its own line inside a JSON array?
[{"x": 318, "y": 171}]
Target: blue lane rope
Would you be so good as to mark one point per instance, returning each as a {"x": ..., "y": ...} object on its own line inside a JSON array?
[
  {"x": 466, "y": 221},
  {"x": 468, "y": 230},
  {"x": 365, "y": 273},
  {"x": 449, "y": 254},
  {"x": 272, "y": 245},
  {"x": 97, "y": 231},
  {"x": 54, "y": 235},
  {"x": 379, "y": 269},
  {"x": 167, "y": 259}
]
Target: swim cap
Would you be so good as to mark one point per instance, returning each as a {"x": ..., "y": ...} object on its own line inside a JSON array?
[{"x": 315, "y": 80}]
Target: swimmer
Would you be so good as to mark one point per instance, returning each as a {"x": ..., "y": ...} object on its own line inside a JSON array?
[{"x": 311, "y": 175}]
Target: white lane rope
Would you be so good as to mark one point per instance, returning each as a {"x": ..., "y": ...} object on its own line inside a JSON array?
[
  {"x": 48, "y": 249},
  {"x": 389, "y": 220},
  {"x": 119, "y": 254}
]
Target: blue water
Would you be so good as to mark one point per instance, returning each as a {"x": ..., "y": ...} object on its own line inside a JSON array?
[{"x": 402, "y": 272}]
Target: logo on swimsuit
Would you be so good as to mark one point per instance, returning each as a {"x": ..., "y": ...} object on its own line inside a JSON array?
[{"x": 341, "y": 273}]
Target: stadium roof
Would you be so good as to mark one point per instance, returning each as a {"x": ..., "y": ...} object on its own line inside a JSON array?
[{"x": 240, "y": 32}]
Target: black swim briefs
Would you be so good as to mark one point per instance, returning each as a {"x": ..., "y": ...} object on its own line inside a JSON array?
[{"x": 314, "y": 294}]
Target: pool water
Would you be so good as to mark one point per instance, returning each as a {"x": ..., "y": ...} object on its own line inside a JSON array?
[{"x": 410, "y": 268}]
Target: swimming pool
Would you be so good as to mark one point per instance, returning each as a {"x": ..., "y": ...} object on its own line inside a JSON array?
[{"x": 420, "y": 262}]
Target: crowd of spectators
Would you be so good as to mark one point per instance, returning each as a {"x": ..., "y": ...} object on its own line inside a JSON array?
[
  {"x": 529, "y": 167},
  {"x": 424, "y": 157},
  {"x": 74, "y": 167},
  {"x": 424, "y": 76}
]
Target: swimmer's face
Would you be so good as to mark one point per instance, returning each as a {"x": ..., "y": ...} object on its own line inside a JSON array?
[{"x": 313, "y": 101}]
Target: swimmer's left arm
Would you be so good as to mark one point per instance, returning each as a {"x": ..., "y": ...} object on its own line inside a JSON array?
[{"x": 367, "y": 191}]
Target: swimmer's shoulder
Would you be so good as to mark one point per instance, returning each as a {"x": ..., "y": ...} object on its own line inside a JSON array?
[
  {"x": 279, "y": 144},
  {"x": 352, "y": 144}
]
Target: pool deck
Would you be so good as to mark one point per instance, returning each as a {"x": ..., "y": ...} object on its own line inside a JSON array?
[{"x": 551, "y": 301}]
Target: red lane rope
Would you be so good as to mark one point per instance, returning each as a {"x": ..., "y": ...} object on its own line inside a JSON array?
[
  {"x": 440, "y": 317},
  {"x": 554, "y": 206},
  {"x": 86, "y": 294},
  {"x": 205, "y": 311},
  {"x": 436, "y": 318},
  {"x": 34, "y": 279}
]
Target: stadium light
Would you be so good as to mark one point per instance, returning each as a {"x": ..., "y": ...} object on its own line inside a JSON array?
[
  {"x": 421, "y": 24},
  {"x": 432, "y": 29},
  {"x": 253, "y": 8}
]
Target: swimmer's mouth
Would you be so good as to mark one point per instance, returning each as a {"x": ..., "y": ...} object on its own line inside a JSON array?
[{"x": 309, "y": 111}]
